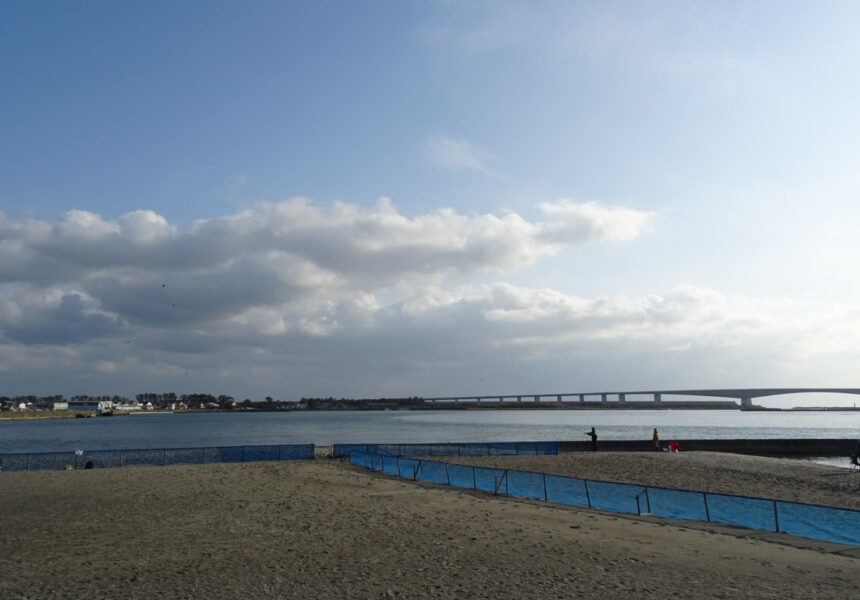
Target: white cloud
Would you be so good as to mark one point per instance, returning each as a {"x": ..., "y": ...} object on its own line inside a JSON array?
[{"x": 345, "y": 300}]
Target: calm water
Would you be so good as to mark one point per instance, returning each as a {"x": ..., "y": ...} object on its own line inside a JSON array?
[{"x": 322, "y": 428}]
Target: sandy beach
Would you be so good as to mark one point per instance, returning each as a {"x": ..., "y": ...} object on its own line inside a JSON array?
[{"x": 325, "y": 529}]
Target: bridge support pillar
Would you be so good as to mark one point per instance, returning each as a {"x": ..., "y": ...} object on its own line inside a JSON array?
[
  {"x": 746, "y": 402},
  {"x": 603, "y": 397},
  {"x": 658, "y": 397},
  {"x": 537, "y": 398},
  {"x": 519, "y": 398},
  {"x": 622, "y": 397},
  {"x": 558, "y": 398},
  {"x": 582, "y": 397}
]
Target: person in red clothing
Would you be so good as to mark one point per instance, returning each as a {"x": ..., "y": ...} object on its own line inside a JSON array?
[{"x": 673, "y": 446}]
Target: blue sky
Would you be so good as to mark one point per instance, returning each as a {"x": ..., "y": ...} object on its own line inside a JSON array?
[{"x": 385, "y": 198}]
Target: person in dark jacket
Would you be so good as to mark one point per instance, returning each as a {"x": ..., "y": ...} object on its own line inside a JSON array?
[{"x": 593, "y": 435}]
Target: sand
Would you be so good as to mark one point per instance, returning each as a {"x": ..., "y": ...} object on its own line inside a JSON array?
[{"x": 325, "y": 529}]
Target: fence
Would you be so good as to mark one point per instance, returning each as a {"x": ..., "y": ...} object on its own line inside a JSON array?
[
  {"x": 166, "y": 456},
  {"x": 466, "y": 449},
  {"x": 807, "y": 520}
]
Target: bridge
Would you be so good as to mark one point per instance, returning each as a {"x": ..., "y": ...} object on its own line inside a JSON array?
[{"x": 744, "y": 395}]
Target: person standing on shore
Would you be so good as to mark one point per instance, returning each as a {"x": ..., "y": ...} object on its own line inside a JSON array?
[
  {"x": 656, "y": 439},
  {"x": 593, "y": 435}
]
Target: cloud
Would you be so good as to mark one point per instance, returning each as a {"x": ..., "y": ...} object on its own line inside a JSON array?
[
  {"x": 275, "y": 248},
  {"x": 457, "y": 155},
  {"x": 54, "y": 316},
  {"x": 294, "y": 298}
]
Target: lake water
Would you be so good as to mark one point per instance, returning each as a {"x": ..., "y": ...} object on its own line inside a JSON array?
[{"x": 192, "y": 430}]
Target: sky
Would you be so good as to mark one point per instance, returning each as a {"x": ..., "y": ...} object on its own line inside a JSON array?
[{"x": 428, "y": 198}]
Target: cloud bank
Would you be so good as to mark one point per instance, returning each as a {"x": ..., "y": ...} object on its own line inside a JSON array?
[{"x": 294, "y": 298}]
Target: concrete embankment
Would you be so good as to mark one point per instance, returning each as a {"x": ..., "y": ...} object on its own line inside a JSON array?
[{"x": 761, "y": 447}]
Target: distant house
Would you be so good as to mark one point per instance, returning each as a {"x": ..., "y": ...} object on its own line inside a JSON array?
[{"x": 60, "y": 406}]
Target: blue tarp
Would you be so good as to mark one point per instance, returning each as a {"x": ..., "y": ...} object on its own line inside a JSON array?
[
  {"x": 526, "y": 484},
  {"x": 567, "y": 490},
  {"x": 754, "y": 513},
  {"x": 818, "y": 522},
  {"x": 449, "y": 449},
  {"x": 677, "y": 504},
  {"x": 433, "y": 471},
  {"x": 99, "y": 459}
]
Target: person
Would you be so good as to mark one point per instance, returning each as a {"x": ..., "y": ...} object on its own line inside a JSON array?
[
  {"x": 656, "y": 438},
  {"x": 673, "y": 446},
  {"x": 593, "y": 435}
]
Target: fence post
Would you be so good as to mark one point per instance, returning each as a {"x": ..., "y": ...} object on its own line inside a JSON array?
[
  {"x": 775, "y": 517},
  {"x": 499, "y": 481},
  {"x": 397, "y": 462},
  {"x": 587, "y": 495},
  {"x": 474, "y": 479},
  {"x": 416, "y": 469},
  {"x": 648, "y": 500},
  {"x": 447, "y": 474},
  {"x": 545, "y": 495},
  {"x": 707, "y": 510}
]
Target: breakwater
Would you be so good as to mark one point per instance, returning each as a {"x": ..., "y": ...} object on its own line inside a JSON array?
[{"x": 760, "y": 447}]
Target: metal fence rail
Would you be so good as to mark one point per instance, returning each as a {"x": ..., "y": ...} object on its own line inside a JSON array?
[
  {"x": 99, "y": 459},
  {"x": 829, "y": 523}
]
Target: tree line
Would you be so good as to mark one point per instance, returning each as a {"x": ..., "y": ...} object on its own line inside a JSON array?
[{"x": 166, "y": 400}]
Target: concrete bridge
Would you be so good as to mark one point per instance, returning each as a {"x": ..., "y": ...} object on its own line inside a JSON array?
[{"x": 745, "y": 395}]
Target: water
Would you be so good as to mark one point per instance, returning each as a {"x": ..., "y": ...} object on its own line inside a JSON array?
[{"x": 322, "y": 428}]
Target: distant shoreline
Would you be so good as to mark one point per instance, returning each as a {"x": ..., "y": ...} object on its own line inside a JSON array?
[{"x": 599, "y": 406}]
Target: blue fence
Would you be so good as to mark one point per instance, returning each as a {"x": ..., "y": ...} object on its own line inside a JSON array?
[
  {"x": 98, "y": 459},
  {"x": 475, "y": 449},
  {"x": 806, "y": 520}
]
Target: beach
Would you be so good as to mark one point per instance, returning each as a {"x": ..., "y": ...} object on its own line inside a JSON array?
[{"x": 326, "y": 529}]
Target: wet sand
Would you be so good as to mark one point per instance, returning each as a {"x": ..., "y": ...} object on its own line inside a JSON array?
[{"x": 324, "y": 529}]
